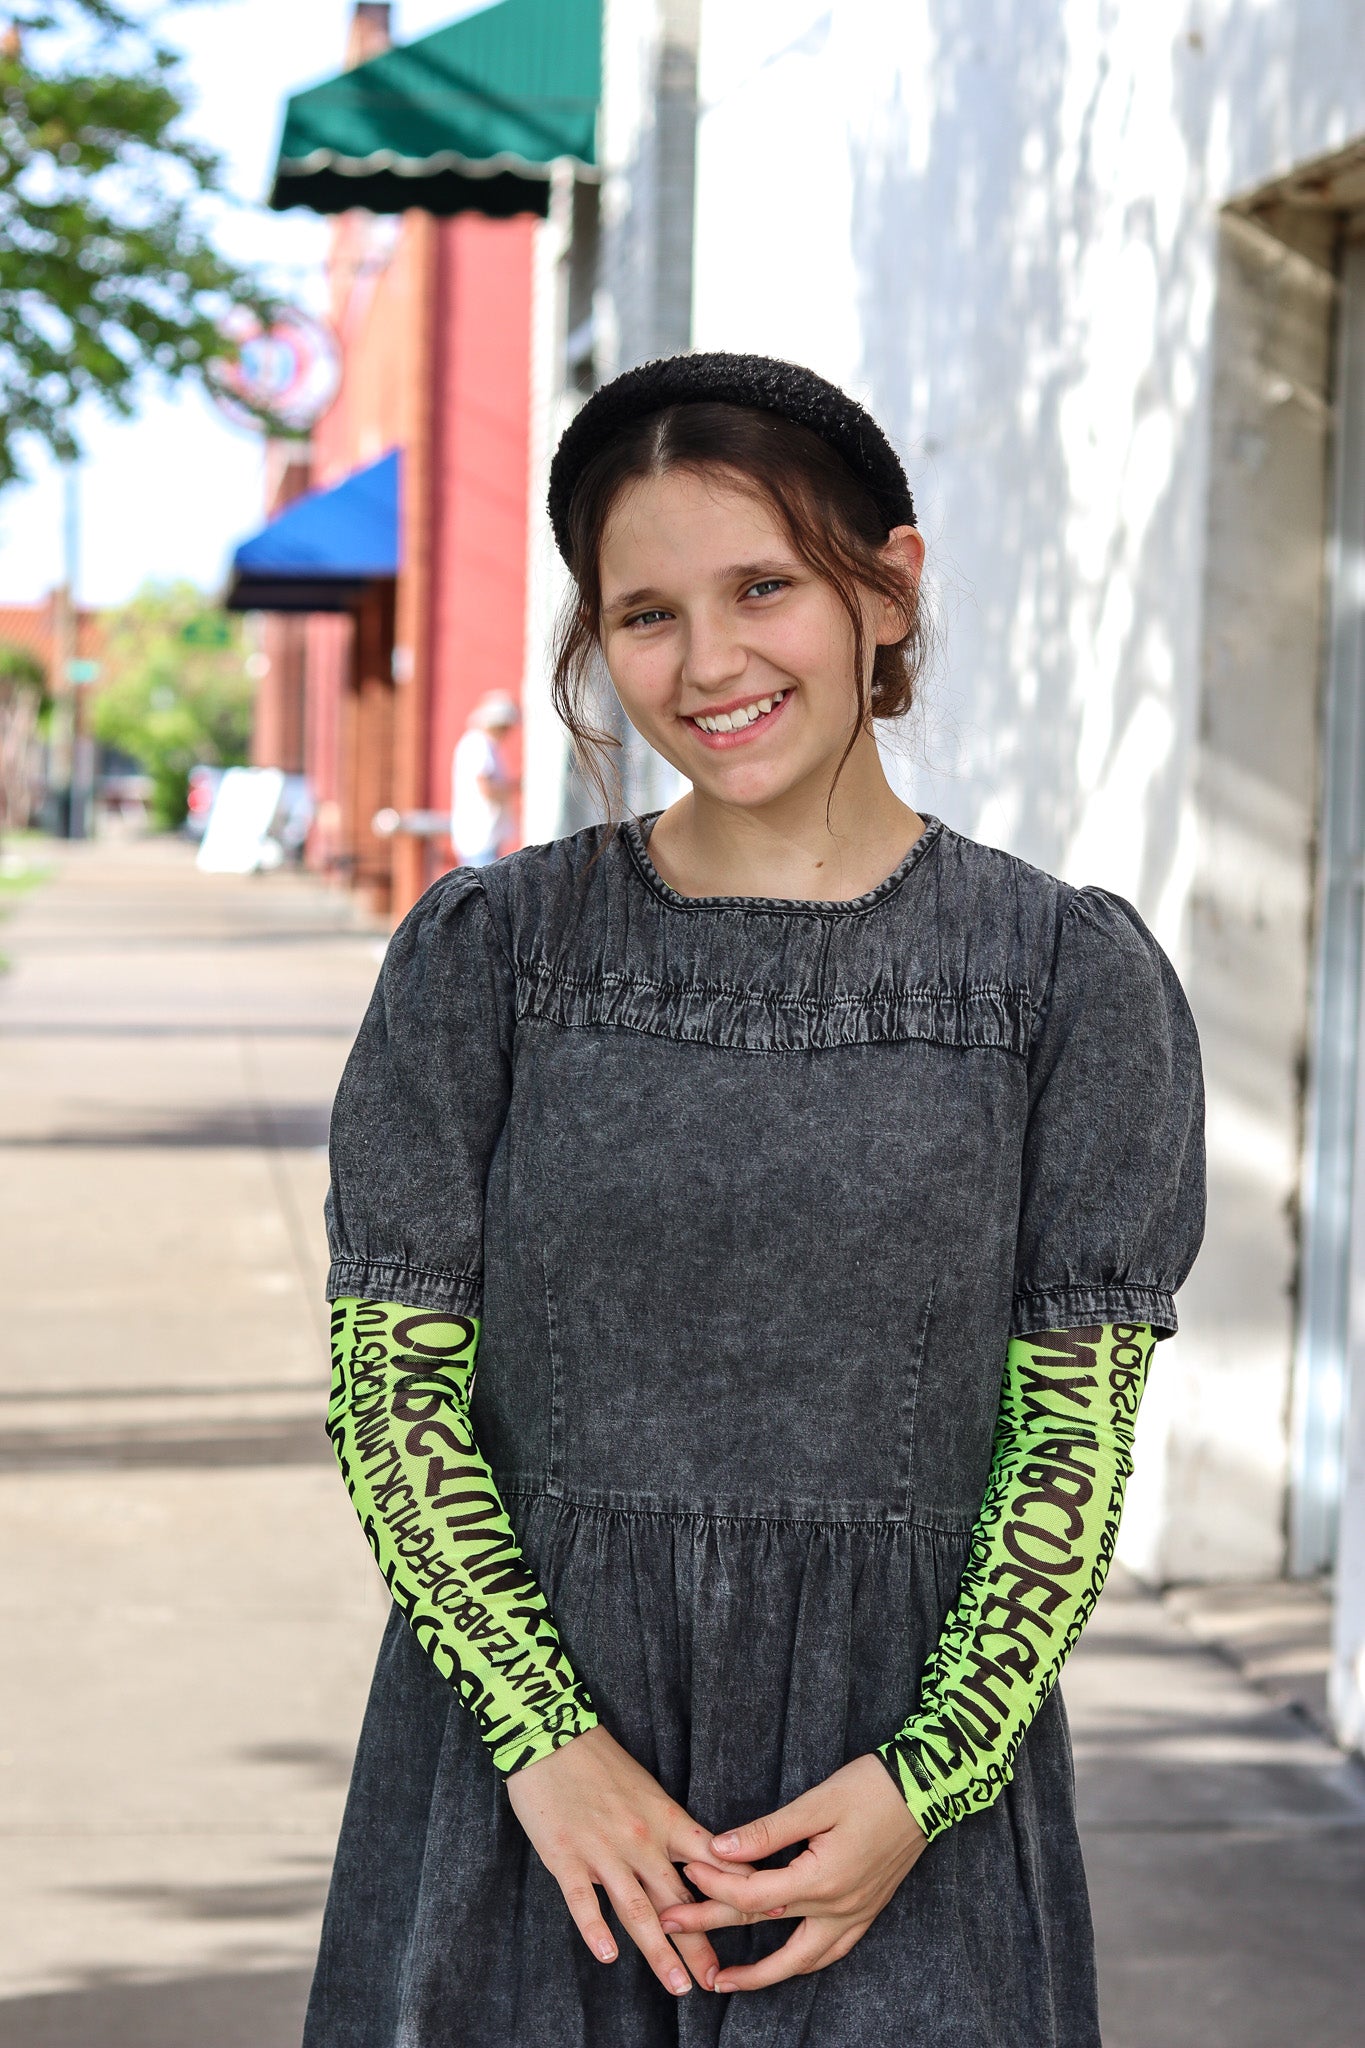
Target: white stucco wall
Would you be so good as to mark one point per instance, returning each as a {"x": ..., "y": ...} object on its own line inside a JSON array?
[{"x": 1000, "y": 226}]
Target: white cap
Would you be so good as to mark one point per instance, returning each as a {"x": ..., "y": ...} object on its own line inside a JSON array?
[{"x": 497, "y": 708}]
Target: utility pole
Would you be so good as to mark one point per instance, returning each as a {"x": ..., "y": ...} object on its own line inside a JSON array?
[
  {"x": 70, "y": 750},
  {"x": 79, "y": 674},
  {"x": 61, "y": 746}
]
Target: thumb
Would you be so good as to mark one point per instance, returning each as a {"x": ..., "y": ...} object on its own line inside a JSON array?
[{"x": 795, "y": 1822}]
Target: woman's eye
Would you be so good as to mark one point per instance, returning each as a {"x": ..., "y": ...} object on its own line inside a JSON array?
[
  {"x": 646, "y": 618},
  {"x": 767, "y": 586}
]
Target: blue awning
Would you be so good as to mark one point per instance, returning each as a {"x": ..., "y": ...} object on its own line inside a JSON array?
[{"x": 324, "y": 548}]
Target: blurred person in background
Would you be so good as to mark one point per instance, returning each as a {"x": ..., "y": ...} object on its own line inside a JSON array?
[
  {"x": 481, "y": 790},
  {"x": 811, "y": 1184}
]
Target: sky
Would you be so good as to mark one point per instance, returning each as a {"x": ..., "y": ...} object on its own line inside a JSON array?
[{"x": 169, "y": 493}]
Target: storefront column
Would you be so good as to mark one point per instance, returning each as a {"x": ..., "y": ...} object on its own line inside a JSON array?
[{"x": 412, "y": 652}]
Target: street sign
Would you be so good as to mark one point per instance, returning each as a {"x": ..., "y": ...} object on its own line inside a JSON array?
[
  {"x": 210, "y": 632},
  {"x": 80, "y": 672}
]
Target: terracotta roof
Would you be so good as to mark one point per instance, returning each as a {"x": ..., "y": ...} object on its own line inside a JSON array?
[{"x": 30, "y": 626}]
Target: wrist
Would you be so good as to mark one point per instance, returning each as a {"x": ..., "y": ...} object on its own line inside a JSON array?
[
  {"x": 924, "y": 1807},
  {"x": 533, "y": 1748}
]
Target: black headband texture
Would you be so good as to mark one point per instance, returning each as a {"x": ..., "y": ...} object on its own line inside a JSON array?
[{"x": 762, "y": 382}]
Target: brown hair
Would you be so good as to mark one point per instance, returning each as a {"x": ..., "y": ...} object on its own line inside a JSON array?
[{"x": 830, "y": 519}]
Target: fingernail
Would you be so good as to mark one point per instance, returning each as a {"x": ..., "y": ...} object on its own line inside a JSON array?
[
  {"x": 678, "y": 1980},
  {"x": 725, "y": 1845},
  {"x": 711, "y": 1977},
  {"x": 670, "y": 1926},
  {"x": 719, "y": 1984},
  {"x": 606, "y": 1951}
]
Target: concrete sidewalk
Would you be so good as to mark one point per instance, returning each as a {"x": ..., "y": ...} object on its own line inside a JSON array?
[
  {"x": 1224, "y": 1836},
  {"x": 189, "y": 1608},
  {"x": 190, "y": 1613}
]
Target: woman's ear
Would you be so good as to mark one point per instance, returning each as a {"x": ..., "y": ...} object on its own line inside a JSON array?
[{"x": 904, "y": 551}]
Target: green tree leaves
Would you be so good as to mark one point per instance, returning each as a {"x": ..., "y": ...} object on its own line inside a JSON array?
[
  {"x": 107, "y": 268},
  {"x": 176, "y": 692}
]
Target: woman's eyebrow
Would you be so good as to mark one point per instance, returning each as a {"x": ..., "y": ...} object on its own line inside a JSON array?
[
  {"x": 754, "y": 572},
  {"x": 623, "y": 601},
  {"x": 737, "y": 572}
]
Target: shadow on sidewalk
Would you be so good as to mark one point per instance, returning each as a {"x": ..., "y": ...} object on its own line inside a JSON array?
[{"x": 249, "y": 2009}]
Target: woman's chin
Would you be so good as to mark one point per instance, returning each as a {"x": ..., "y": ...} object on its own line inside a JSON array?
[
  {"x": 744, "y": 787},
  {"x": 766, "y": 779}
]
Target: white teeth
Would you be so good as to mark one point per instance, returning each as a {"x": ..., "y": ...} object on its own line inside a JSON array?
[{"x": 735, "y": 721}]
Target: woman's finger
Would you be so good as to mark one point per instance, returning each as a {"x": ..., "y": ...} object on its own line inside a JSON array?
[
  {"x": 667, "y": 1897},
  {"x": 796, "y": 1822},
  {"x": 703, "y": 1914},
  {"x": 637, "y": 1915},
  {"x": 580, "y": 1896},
  {"x": 793, "y": 1888},
  {"x": 690, "y": 1843},
  {"x": 687, "y": 1838},
  {"x": 810, "y": 1948}
]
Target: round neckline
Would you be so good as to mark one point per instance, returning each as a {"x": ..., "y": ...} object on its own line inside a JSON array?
[{"x": 636, "y": 830}]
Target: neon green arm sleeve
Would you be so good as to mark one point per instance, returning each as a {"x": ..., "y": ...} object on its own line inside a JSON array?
[
  {"x": 1040, "y": 1550},
  {"x": 400, "y": 1425}
]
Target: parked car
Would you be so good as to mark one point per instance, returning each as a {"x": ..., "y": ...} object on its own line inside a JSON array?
[{"x": 204, "y": 781}]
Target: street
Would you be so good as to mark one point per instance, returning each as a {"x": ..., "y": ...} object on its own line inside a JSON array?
[{"x": 190, "y": 1611}]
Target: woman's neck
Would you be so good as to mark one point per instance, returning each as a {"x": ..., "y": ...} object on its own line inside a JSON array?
[{"x": 788, "y": 848}]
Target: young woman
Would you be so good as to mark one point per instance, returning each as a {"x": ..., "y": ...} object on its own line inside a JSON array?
[{"x": 811, "y": 1184}]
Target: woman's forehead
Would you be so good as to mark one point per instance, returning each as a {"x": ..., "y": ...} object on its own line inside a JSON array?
[{"x": 683, "y": 518}]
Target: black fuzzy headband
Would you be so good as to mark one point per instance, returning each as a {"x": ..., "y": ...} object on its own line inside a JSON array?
[{"x": 763, "y": 382}]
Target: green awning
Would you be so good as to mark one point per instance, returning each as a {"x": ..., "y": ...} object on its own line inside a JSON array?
[{"x": 468, "y": 119}]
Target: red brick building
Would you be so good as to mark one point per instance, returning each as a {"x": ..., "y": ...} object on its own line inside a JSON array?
[{"x": 372, "y": 675}]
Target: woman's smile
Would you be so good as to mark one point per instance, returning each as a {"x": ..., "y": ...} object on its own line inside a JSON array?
[{"x": 737, "y": 723}]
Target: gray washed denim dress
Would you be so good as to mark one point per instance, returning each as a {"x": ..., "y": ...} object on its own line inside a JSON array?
[{"x": 750, "y": 1195}]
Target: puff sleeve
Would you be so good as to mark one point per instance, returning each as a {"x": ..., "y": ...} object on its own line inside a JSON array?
[
  {"x": 1111, "y": 1210},
  {"x": 420, "y": 1108}
]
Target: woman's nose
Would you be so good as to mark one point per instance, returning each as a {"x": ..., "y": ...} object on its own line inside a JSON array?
[{"x": 712, "y": 656}]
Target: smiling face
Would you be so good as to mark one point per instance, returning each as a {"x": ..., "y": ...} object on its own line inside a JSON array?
[{"x": 729, "y": 654}]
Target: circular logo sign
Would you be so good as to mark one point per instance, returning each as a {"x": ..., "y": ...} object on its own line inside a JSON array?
[{"x": 282, "y": 378}]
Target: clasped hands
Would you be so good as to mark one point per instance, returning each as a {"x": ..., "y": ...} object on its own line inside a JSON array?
[{"x": 595, "y": 1818}]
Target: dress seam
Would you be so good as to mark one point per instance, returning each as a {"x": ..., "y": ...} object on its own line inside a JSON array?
[
  {"x": 1145, "y": 1288},
  {"x": 764, "y": 1521},
  {"x": 771, "y": 1052},
  {"x": 610, "y": 981},
  {"x": 1043, "y": 1009},
  {"x": 776, "y": 906},
  {"x": 345, "y": 1259}
]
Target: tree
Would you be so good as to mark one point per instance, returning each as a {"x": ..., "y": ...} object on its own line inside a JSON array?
[
  {"x": 175, "y": 690},
  {"x": 107, "y": 269},
  {"x": 22, "y": 689}
]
